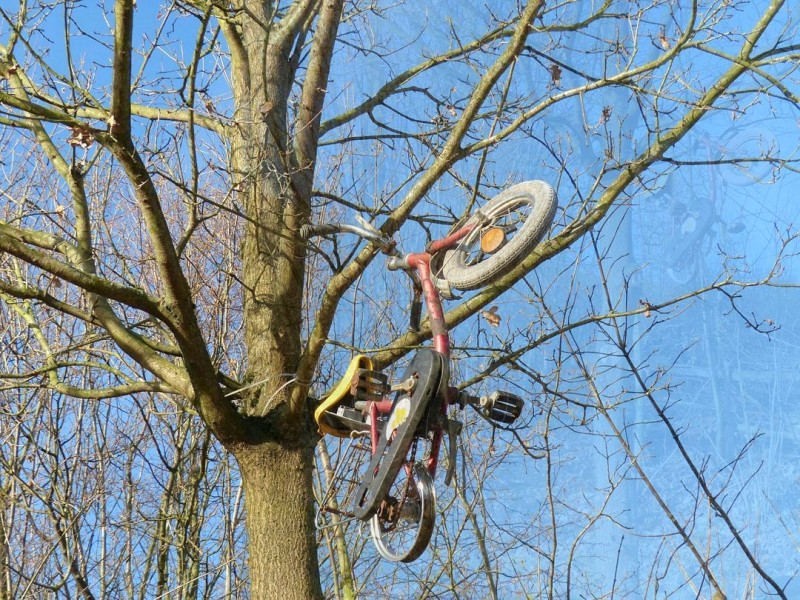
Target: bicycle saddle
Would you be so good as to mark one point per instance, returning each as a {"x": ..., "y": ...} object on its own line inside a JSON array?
[{"x": 337, "y": 414}]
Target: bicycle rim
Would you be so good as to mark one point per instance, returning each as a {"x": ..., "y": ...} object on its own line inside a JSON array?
[{"x": 402, "y": 528}]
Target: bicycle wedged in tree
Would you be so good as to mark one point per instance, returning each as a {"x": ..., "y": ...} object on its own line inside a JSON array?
[{"x": 386, "y": 474}]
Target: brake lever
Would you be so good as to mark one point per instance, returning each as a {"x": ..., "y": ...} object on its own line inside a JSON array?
[
  {"x": 387, "y": 245},
  {"x": 369, "y": 227},
  {"x": 365, "y": 230}
]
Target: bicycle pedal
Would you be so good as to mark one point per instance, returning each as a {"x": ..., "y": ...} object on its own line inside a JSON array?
[
  {"x": 502, "y": 407},
  {"x": 369, "y": 386}
]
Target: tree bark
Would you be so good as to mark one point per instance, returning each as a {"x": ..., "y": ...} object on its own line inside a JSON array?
[
  {"x": 280, "y": 521},
  {"x": 265, "y": 173}
]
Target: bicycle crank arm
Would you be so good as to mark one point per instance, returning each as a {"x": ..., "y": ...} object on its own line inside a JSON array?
[{"x": 398, "y": 432}]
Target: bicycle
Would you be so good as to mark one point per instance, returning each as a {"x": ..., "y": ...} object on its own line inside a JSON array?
[
  {"x": 696, "y": 221},
  {"x": 379, "y": 477}
]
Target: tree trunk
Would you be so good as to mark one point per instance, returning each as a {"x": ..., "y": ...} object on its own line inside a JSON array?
[
  {"x": 273, "y": 153},
  {"x": 276, "y": 460},
  {"x": 280, "y": 521}
]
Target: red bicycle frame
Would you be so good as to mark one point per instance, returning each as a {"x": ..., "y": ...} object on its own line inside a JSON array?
[{"x": 421, "y": 263}]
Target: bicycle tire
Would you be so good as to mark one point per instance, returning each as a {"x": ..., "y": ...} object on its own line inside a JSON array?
[
  {"x": 539, "y": 197},
  {"x": 386, "y": 533},
  {"x": 754, "y": 142}
]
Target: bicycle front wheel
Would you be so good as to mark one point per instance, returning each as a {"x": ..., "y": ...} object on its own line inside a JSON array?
[
  {"x": 402, "y": 527},
  {"x": 504, "y": 231}
]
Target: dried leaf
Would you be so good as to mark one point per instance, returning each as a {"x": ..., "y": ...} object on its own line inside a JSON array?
[
  {"x": 555, "y": 74},
  {"x": 81, "y": 136},
  {"x": 491, "y": 316}
]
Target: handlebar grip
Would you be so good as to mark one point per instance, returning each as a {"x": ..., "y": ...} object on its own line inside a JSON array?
[{"x": 308, "y": 231}]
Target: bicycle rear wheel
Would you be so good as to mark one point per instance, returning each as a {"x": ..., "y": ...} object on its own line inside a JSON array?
[
  {"x": 505, "y": 230},
  {"x": 402, "y": 527}
]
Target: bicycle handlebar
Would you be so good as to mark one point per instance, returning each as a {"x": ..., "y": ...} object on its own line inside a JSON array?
[
  {"x": 366, "y": 231},
  {"x": 309, "y": 231}
]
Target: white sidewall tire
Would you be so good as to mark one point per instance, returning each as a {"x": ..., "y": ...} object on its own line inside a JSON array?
[{"x": 541, "y": 198}]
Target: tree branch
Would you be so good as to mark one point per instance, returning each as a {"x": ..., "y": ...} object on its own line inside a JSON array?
[
  {"x": 581, "y": 225},
  {"x": 449, "y": 155}
]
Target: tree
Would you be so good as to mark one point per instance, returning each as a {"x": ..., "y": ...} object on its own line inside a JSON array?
[{"x": 161, "y": 161}]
